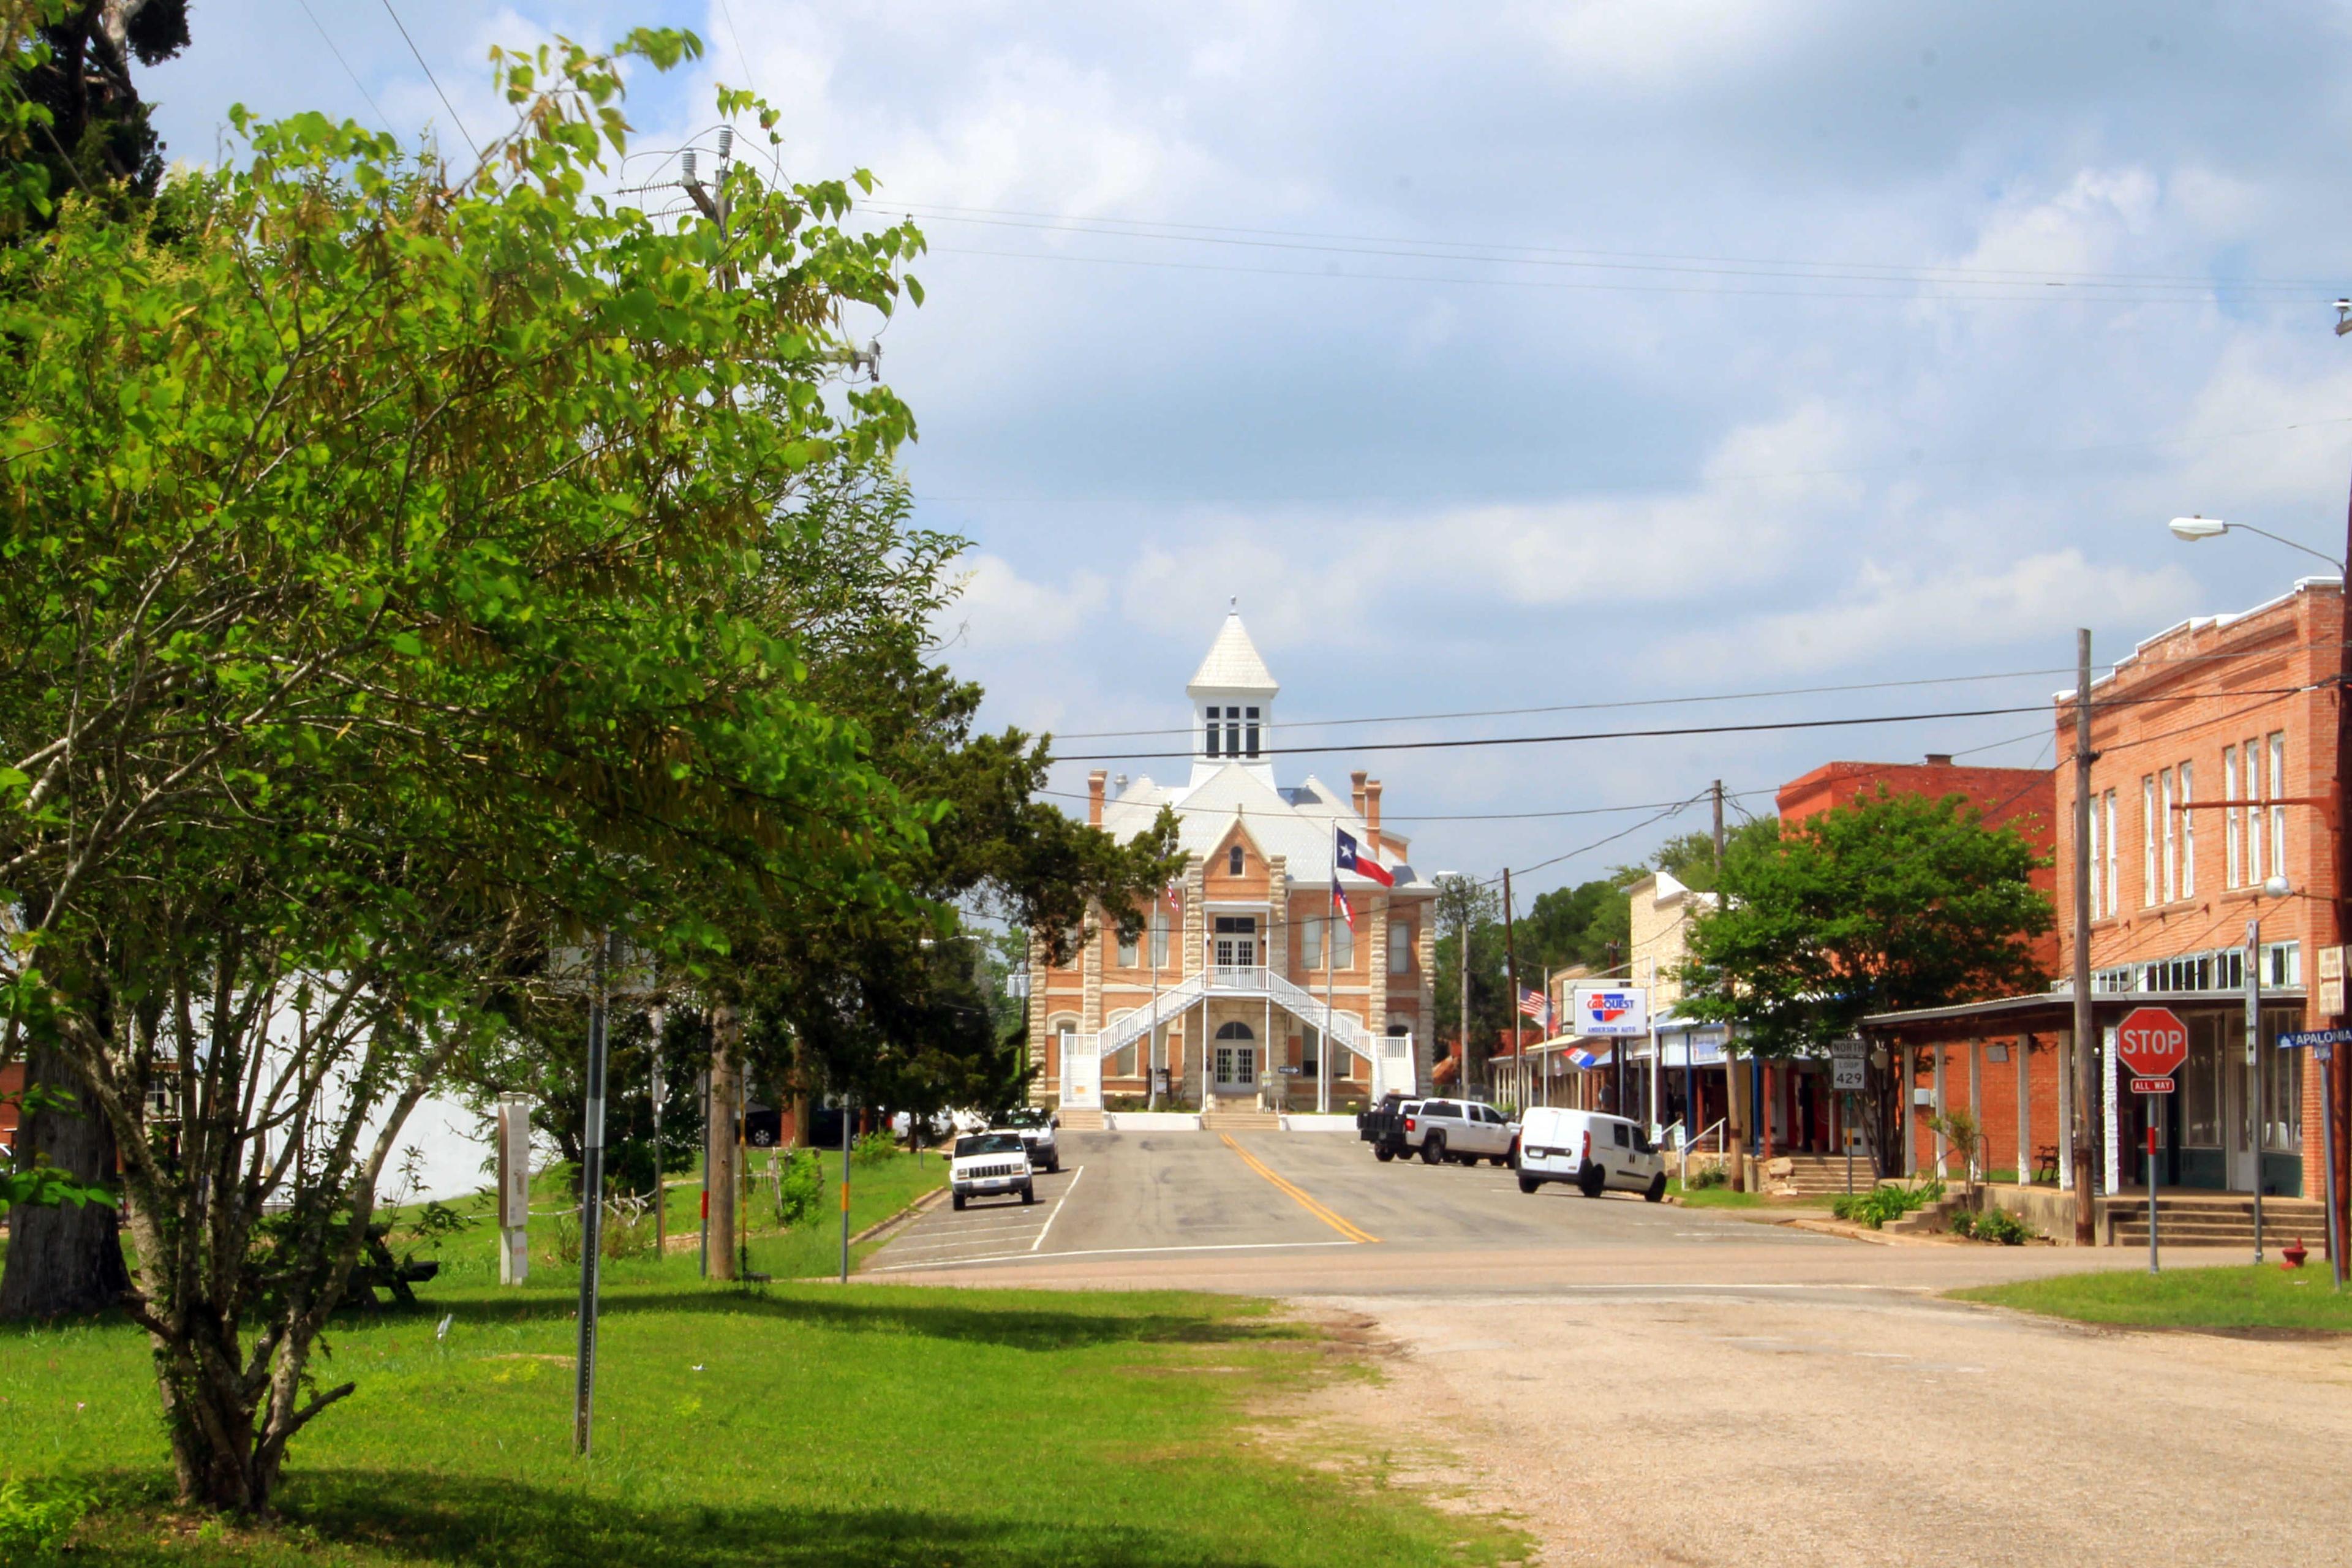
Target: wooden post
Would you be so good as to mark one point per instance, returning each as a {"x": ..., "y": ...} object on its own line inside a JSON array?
[
  {"x": 2024, "y": 1049},
  {"x": 1975, "y": 1100},
  {"x": 2086, "y": 1090}
]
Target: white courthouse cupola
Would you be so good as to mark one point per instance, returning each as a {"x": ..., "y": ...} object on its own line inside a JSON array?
[{"x": 1232, "y": 705}]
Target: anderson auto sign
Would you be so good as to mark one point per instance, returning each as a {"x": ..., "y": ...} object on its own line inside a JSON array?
[{"x": 1612, "y": 1010}]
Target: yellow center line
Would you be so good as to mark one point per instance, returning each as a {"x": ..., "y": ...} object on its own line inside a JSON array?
[{"x": 1298, "y": 1196}]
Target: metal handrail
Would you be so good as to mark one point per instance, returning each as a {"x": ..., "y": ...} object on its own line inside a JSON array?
[{"x": 1703, "y": 1134}]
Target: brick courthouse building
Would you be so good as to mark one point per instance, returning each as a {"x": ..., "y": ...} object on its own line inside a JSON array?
[{"x": 1226, "y": 990}]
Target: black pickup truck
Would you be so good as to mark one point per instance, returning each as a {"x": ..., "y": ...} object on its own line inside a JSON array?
[{"x": 1384, "y": 1126}]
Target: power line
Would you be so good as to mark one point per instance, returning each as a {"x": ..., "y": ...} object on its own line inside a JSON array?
[
  {"x": 1587, "y": 707},
  {"x": 455, "y": 118},
  {"x": 2014, "y": 455},
  {"x": 1904, "y": 297},
  {"x": 1759, "y": 727},
  {"x": 1428, "y": 817},
  {"x": 2124, "y": 286},
  {"x": 328, "y": 39}
]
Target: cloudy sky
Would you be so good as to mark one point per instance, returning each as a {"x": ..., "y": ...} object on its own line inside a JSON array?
[{"x": 1513, "y": 356}]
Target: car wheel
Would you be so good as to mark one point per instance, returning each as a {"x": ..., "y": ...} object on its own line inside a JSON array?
[
  {"x": 1499, "y": 1161},
  {"x": 1055, "y": 1169},
  {"x": 1528, "y": 1184},
  {"x": 1514, "y": 1154},
  {"x": 1383, "y": 1153},
  {"x": 958, "y": 1202},
  {"x": 1590, "y": 1179},
  {"x": 1657, "y": 1190},
  {"x": 1432, "y": 1149},
  {"x": 1028, "y": 1194}
]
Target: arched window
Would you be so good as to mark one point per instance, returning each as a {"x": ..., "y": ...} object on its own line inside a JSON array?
[
  {"x": 1236, "y": 1030},
  {"x": 1235, "y": 860}
]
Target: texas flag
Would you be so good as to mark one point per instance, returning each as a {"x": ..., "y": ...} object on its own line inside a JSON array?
[
  {"x": 1339, "y": 902},
  {"x": 1350, "y": 859}
]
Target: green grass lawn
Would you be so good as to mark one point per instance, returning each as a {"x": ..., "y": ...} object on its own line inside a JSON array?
[
  {"x": 762, "y": 1425},
  {"x": 779, "y": 1424},
  {"x": 1725, "y": 1198},
  {"x": 2259, "y": 1296}
]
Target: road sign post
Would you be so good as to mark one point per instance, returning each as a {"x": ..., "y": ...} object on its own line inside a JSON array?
[
  {"x": 1849, "y": 1073},
  {"x": 2152, "y": 1042},
  {"x": 2322, "y": 1044}
]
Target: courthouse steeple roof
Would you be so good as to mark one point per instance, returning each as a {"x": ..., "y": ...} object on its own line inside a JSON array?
[{"x": 1233, "y": 664}]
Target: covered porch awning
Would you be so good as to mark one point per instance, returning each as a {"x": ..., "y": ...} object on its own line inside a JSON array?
[{"x": 2053, "y": 1012}]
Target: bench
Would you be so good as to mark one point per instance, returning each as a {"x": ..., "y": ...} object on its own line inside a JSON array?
[
  {"x": 379, "y": 1271},
  {"x": 2045, "y": 1158}
]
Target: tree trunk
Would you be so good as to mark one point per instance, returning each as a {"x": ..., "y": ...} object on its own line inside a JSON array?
[
  {"x": 65, "y": 1259},
  {"x": 719, "y": 1140}
]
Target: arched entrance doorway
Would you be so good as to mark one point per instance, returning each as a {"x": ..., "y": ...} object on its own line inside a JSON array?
[{"x": 1235, "y": 1059}]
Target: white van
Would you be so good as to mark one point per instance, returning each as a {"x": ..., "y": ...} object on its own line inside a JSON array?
[{"x": 1589, "y": 1148}]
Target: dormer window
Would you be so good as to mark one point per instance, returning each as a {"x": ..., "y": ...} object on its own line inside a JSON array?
[{"x": 1234, "y": 860}]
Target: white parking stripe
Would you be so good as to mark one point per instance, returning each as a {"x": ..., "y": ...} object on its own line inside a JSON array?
[{"x": 1058, "y": 1207}]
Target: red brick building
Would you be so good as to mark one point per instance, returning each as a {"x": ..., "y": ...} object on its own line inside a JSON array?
[{"x": 1988, "y": 1078}]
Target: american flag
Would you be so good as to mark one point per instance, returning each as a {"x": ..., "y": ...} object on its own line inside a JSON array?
[
  {"x": 1536, "y": 1005},
  {"x": 1176, "y": 897}
]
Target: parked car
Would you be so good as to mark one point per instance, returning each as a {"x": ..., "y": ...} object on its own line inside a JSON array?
[
  {"x": 1384, "y": 1126},
  {"x": 991, "y": 1165},
  {"x": 1036, "y": 1126},
  {"x": 1593, "y": 1150},
  {"x": 1464, "y": 1131}
]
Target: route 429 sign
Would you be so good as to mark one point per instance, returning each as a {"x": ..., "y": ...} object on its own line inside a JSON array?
[{"x": 2152, "y": 1042}]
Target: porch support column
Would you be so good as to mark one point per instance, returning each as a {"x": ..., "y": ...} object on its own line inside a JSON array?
[
  {"x": 1943, "y": 1145},
  {"x": 2114, "y": 1167},
  {"x": 1906, "y": 1164},
  {"x": 1976, "y": 1089},
  {"x": 2024, "y": 1050},
  {"x": 2066, "y": 1048}
]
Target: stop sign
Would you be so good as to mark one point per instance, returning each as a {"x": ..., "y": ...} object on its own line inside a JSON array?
[{"x": 2152, "y": 1042}]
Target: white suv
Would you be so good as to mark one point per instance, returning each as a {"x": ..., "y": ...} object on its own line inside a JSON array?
[
  {"x": 990, "y": 1165},
  {"x": 1594, "y": 1150},
  {"x": 1463, "y": 1132}
]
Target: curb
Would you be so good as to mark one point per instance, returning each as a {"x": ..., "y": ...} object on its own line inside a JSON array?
[{"x": 928, "y": 1200}]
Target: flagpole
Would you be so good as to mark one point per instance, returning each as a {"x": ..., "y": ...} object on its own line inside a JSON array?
[
  {"x": 1152, "y": 1033},
  {"x": 1323, "y": 1055}
]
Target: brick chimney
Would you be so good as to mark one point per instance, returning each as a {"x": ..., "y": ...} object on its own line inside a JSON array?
[
  {"x": 1373, "y": 816},
  {"x": 1355, "y": 792},
  {"x": 1094, "y": 797}
]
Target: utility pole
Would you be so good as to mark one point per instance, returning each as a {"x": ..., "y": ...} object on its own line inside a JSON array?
[
  {"x": 1735, "y": 1145},
  {"x": 1511, "y": 969},
  {"x": 2085, "y": 1074},
  {"x": 1461, "y": 963},
  {"x": 2336, "y": 1075}
]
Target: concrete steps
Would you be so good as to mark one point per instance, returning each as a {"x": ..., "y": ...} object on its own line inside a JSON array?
[
  {"x": 1250, "y": 1120},
  {"x": 1081, "y": 1120},
  {"x": 2218, "y": 1221}
]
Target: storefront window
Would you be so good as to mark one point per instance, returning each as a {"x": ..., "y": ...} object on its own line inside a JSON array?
[
  {"x": 2201, "y": 1086},
  {"x": 2282, "y": 1087}
]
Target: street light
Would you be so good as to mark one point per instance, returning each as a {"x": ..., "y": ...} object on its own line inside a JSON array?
[{"x": 2193, "y": 529}]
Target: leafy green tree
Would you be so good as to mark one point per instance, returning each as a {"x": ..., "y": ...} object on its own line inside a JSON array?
[
  {"x": 94, "y": 136},
  {"x": 372, "y": 586},
  {"x": 1891, "y": 902}
]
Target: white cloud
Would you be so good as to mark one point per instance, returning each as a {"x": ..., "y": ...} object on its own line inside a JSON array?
[
  {"x": 998, "y": 608},
  {"x": 1896, "y": 612}
]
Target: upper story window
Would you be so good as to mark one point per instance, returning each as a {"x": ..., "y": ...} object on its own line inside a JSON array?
[
  {"x": 1249, "y": 731},
  {"x": 1209, "y": 732},
  {"x": 1128, "y": 957},
  {"x": 1400, "y": 947},
  {"x": 2278, "y": 813},
  {"x": 1235, "y": 860},
  {"x": 1160, "y": 936}
]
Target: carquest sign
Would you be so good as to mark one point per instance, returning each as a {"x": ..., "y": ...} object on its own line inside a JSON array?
[{"x": 1612, "y": 1010}]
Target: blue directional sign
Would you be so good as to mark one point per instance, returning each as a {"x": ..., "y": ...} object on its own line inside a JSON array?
[{"x": 2308, "y": 1037}]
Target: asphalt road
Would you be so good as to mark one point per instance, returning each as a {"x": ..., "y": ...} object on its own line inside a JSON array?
[
  {"x": 1290, "y": 1213},
  {"x": 1648, "y": 1384}
]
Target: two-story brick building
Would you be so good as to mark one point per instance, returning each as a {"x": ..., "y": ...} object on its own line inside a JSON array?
[
  {"x": 1245, "y": 986},
  {"x": 2213, "y": 745}
]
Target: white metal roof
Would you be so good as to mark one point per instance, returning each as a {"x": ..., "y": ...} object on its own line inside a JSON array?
[{"x": 1233, "y": 664}]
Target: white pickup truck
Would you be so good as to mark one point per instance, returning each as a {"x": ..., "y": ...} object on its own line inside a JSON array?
[
  {"x": 1461, "y": 1131},
  {"x": 990, "y": 1165}
]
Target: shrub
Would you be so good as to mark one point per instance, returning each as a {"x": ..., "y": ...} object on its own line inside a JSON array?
[
  {"x": 1876, "y": 1206},
  {"x": 1707, "y": 1176},
  {"x": 34, "y": 1518},
  {"x": 875, "y": 1145},
  {"x": 2001, "y": 1225},
  {"x": 799, "y": 1190}
]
